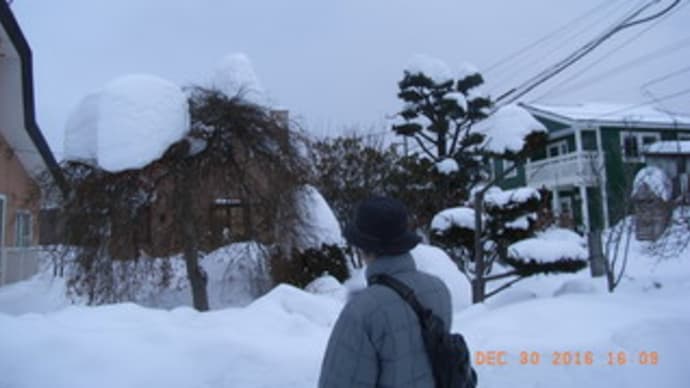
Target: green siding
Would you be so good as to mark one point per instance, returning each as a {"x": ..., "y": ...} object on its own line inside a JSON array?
[
  {"x": 518, "y": 180},
  {"x": 619, "y": 174},
  {"x": 551, "y": 125}
]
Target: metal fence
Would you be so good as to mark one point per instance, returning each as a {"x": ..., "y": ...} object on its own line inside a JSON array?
[{"x": 18, "y": 264}]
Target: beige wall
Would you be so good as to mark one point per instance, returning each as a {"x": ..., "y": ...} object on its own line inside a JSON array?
[{"x": 20, "y": 191}]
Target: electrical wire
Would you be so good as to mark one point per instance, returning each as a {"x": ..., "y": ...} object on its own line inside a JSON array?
[{"x": 515, "y": 93}]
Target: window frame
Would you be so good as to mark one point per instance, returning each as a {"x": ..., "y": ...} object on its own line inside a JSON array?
[
  {"x": 23, "y": 238},
  {"x": 639, "y": 137}
]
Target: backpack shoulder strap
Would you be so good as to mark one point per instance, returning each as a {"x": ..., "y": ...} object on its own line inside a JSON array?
[{"x": 405, "y": 292}]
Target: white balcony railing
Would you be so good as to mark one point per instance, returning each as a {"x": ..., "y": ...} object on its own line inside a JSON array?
[
  {"x": 576, "y": 168},
  {"x": 18, "y": 263}
]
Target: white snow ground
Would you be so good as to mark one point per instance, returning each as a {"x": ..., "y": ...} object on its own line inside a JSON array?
[{"x": 279, "y": 339}]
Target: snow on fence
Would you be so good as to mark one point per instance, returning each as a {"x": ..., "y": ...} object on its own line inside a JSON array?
[{"x": 18, "y": 263}]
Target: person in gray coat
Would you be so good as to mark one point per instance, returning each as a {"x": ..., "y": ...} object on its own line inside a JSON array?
[{"x": 376, "y": 341}]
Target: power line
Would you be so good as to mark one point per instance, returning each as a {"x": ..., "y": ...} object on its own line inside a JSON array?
[
  {"x": 666, "y": 50},
  {"x": 662, "y": 98},
  {"x": 523, "y": 50},
  {"x": 515, "y": 93},
  {"x": 553, "y": 48},
  {"x": 665, "y": 77}
]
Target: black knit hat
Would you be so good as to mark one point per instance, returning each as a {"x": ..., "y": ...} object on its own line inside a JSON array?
[{"x": 380, "y": 226}]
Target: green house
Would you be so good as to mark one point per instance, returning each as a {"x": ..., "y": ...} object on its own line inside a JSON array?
[{"x": 593, "y": 153}]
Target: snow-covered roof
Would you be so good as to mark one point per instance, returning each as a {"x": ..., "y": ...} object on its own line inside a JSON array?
[
  {"x": 611, "y": 112},
  {"x": 669, "y": 147},
  {"x": 656, "y": 180}
]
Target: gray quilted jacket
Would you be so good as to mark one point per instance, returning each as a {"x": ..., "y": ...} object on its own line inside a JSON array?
[{"x": 376, "y": 341}]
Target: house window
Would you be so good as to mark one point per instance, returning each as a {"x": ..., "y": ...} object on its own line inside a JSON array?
[
  {"x": 633, "y": 144},
  {"x": 589, "y": 140},
  {"x": 23, "y": 229},
  {"x": 559, "y": 148},
  {"x": 684, "y": 136},
  {"x": 228, "y": 220},
  {"x": 507, "y": 165}
]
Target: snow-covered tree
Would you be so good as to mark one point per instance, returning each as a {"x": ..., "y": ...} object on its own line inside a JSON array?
[{"x": 460, "y": 132}]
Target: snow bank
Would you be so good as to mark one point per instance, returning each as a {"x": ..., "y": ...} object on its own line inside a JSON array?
[
  {"x": 447, "y": 166},
  {"x": 434, "y": 261},
  {"x": 128, "y": 124},
  {"x": 234, "y": 76},
  {"x": 461, "y": 216},
  {"x": 656, "y": 180},
  {"x": 434, "y": 68},
  {"x": 506, "y": 129},
  {"x": 549, "y": 246},
  {"x": 317, "y": 224}
]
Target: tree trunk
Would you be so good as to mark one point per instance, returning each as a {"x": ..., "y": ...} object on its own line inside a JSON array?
[{"x": 195, "y": 274}]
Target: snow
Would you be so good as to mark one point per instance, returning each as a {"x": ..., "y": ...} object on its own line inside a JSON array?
[
  {"x": 609, "y": 112},
  {"x": 506, "y": 129},
  {"x": 318, "y": 224},
  {"x": 465, "y": 70},
  {"x": 81, "y": 134},
  {"x": 459, "y": 99},
  {"x": 234, "y": 75},
  {"x": 500, "y": 198},
  {"x": 279, "y": 340},
  {"x": 669, "y": 147},
  {"x": 551, "y": 245},
  {"x": 447, "y": 166},
  {"x": 128, "y": 124},
  {"x": 656, "y": 180},
  {"x": 461, "y": 216},
  {"x": 327, "y": 285},
  {"x": 435, "y": 261},
  {"x": 434, "y": 68}
]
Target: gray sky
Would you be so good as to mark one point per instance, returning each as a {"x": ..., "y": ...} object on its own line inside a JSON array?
[{"x": 336, "y": 63}]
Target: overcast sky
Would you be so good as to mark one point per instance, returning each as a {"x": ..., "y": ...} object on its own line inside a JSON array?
[{"x": 335, "y": 64}]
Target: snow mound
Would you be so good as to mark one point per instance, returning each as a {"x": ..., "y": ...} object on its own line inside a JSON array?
[
  {"x": 447, "y": 166},
  {"x": 434, "y": 261},
  {"x": 327, "y": 285},
  {"x": 128, "y": 124},
  {"x": 655, "y": 180},
  {"x": 291, "y": 300},
  {"x": 576, "y": 286},
  {"x": 507, "y": 128},
  {"x": 551, "y": 245},
  {"x": 434, "y": 68},
  {"x": 462, "y": 217},
  {"x": 234, "y": 76},
  {"x": 317, "y": 224},
  {"x": 507, "y": 297}
]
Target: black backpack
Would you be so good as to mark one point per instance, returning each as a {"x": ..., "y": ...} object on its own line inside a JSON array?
[{"x": 448, "y": 353}]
